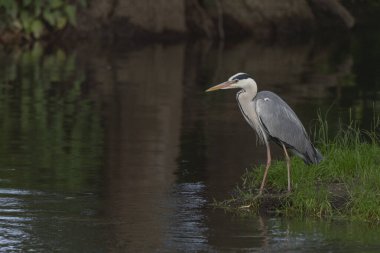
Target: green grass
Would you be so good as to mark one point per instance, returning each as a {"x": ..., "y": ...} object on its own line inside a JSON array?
[{"x": 345, "y": 184}]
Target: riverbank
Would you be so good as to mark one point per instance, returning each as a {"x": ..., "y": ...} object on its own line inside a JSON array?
[
  {"x": 345, "y": 184},
  {"x": 64, "y": 20}
]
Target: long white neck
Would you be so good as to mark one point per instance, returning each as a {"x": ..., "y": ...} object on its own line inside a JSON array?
[
  {"x": 250, "y": 89},
  {"x": 245, "y": 100}
]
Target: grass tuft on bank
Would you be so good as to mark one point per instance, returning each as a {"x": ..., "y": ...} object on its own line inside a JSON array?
[{"x": 345, "y": 184}]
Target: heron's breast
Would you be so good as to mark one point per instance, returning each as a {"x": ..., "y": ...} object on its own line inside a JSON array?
[{"x": 248, "y": 109}]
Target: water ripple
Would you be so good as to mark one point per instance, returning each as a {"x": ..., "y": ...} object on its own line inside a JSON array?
[{"x": 187, "y": 229}]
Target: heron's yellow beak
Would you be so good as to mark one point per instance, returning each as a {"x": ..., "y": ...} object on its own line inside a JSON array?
[{"x": 224, "y": 85}]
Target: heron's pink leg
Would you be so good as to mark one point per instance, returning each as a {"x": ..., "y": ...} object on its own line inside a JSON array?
[
  {"x": 287, "y": 165},
  {"x": 266, "y": 169}
]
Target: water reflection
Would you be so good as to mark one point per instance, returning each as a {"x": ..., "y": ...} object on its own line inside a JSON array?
[
  {"x": 143, "y": 114},
  {"x": 113, "y": 150},
  {"x": 50, "y": 134},
  {"x": 263, "y": 234}
]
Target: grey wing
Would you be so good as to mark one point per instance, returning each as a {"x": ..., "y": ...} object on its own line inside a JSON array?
[{"x": 281, "y": 123}]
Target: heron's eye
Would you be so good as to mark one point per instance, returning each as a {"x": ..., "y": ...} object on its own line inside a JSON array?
[{"x": 235, "y": 80}]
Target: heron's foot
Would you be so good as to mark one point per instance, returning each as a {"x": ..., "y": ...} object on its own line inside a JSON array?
[
  {"x": 289, "y": 192},
  {"x": 259, "y": 195},
  {"x": 273, "y": 195},
  {"x": 245, "y": 206}
]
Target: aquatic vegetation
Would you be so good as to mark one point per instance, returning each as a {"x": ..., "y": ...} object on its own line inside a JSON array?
[{"x": 346, "y": 183}]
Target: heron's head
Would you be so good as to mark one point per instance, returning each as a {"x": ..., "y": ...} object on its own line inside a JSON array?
[{"x": 239, "y": 80}]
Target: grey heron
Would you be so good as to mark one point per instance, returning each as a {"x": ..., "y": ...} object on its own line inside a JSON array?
[{"x": 272, "y": 119}]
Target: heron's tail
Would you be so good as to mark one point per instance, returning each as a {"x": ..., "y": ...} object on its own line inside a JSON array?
[
  {"x": 312, "y": 156},
  {"x": 318, "y": 156}
]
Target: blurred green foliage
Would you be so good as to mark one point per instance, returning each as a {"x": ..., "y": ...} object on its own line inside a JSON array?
[
  {"x": 33, "y": 18},
  {"x": 50, "y": 131}
]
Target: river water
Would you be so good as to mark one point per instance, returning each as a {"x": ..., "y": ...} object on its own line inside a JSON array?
[{"x": 118, "y": 149}]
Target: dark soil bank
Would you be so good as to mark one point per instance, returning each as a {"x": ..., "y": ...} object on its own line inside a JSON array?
[{"x": 218, "y": 18}]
